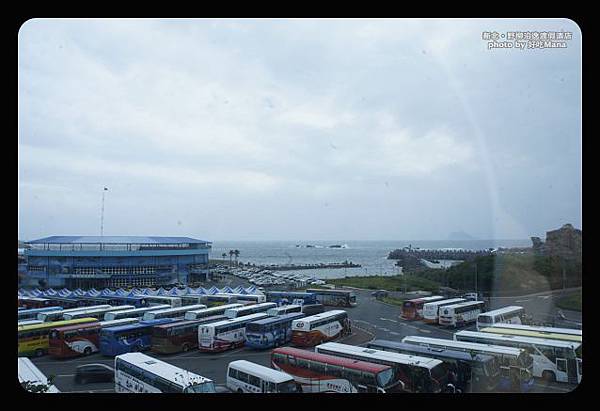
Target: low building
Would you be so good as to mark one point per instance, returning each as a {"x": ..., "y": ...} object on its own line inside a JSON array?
[{"x": 115, "y": 261}]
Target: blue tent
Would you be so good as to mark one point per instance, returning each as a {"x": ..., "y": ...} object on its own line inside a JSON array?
[
  {"x": 213, "y": 290},
  {"x": 227, "y": 290},
  {"x": 107, "y": 292},
  {"x": 161, "y": 291},
  {"x": 173, "y": 292}
]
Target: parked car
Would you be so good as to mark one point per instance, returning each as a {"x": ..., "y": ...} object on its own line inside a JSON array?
[
  {"x": 379, "y": 293},
  {"x": 94, "y": 373}
]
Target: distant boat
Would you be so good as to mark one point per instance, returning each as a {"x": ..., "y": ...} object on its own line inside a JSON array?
[{"x": 339, "y": 246}]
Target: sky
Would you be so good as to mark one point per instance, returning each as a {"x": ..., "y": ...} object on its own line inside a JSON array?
[{"x": 296, "y": 129}]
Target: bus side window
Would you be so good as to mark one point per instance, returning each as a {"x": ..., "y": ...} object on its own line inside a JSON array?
[
  {"x": 233, "y": 373},
  {"x": 253, "y": 380}
]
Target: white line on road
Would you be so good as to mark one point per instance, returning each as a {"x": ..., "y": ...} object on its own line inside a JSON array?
[
  {"x": 384, "y": 329},
  {"x": 65, "y": 375},
  {"x": 394, "y": 333},
  {"x": 388, "y": 319},
  {"x": 424, "y": 331},
  {"x": 522, "y": 301}
]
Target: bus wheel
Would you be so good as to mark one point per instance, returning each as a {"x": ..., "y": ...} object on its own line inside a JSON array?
[
  {"x": 87, "y": 351},
  {"x": 239, "y": 391},
  {"x": 39, "y": 352},
  {"x": 549, "y": 376},
  {"x": 186, "y": 348}
]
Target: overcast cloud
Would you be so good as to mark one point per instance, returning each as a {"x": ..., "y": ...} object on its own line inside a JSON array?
[{"x": 296, "y": 129}]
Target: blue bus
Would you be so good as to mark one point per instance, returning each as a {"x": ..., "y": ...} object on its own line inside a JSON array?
[
  {"x": 291, "y": 297},
  {"x": 128, "y": 338},
  {"x": 271, "y": 332},
  {"x": 32, "y": 313}
]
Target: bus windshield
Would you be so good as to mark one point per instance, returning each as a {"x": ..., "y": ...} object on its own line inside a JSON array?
[
  {"x": 439, "y": 374},
  {"x": 208, "y": 386},
  {"x": 287, "y": 387},
  {"x": 384, "y": 378}
]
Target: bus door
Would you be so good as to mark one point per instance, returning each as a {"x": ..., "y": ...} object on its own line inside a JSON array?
[{"x": 571, "y": 368}]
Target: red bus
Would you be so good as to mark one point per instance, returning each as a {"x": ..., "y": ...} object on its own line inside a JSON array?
[
  {"x": 179, "y": 336},
  {"x": 74, "y": 340},
  {"x": 315, "y": 372},
  {"x": 413, "y": 309}
]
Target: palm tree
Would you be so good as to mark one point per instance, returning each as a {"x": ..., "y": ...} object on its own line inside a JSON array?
[
  {"x": 224, "y": 255},
  {"x": 236, "y": 253},
  {"x": 230, "y": 256}
]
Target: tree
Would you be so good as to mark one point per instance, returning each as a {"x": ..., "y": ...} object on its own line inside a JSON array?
[
  {"x": 224, "y": 255},
  {"x": 230, "y": 256},
  {"x": 236, "y": 253}
]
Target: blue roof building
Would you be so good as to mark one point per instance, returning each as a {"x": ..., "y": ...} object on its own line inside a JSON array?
[{"x": 115, "y": 261}]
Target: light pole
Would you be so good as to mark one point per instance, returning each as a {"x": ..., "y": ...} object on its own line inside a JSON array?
[{"x": 102, "y": 214}]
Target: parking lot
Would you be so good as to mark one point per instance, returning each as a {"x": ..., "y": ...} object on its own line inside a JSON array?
[{"x": 370, "y": 318}]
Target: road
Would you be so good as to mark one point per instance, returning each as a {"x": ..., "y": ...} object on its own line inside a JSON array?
[{"x": 370, "y": 318}]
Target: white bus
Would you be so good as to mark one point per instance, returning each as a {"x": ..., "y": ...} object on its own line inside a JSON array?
[
  {"x": 226, "y": 334},
  {"x": 284, "y": 309},
  {"x": 254, "y": 298},
  {"x": 553, "y": 360},
  {"x": 514, "y": 362},
  {"x": 121, "y": 321},
  {"x": 248, "y": 309},
  {"x": 509, "y": 315},
  {"x": 96, "y": 312},
  {"x": 33, "y": 378},
  {"x": 209, "y": 312},
  {"x": 457, "y": 315},
  {"x": 163, "y": 299},
  {"x": 430, "y": 310},
  {"x": 245, "y": 376},
  {"x": 416, "y": 374},
  {"x": 58, "y": 315},
  {"x": 319, "y": 328},
  {"x": 175, "y": 312},
  {"x": 139, "y": 373},
  {"x": 135, "y": 313}
]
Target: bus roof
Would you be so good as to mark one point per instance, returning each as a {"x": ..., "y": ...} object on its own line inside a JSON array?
[
  {"x": 260, "y": 371},
  {"x": 27, "y": 371},
  {"x": 141, "y": 324},
  {"x": 245, "y": 318},
  {"x": 519, "y": 339},
  {"x": 39, "y": 310},
  {"x": 103, "y": 310},
  {"x": 332, "y": 359},
  {"x": 145, "y": 309},
  {"x": 504, "y": 310},
  {"x": 78, "y": 326},
  {"x": 279, "y": 318},
  {"x": 162, "y": 369},
  {"x": 555, "y": 330},
  {"x": 428, "y": 351},
  {"x": 178, "y": 324},
  {"x": 497, "y": 349},
  {"x": 427, "y": 299},
  {"x": 328, "y": 291},
  {"x": 445, "y": 302},
  {"x": 291, "y": 293},
  {"x": 533, "y": 334},
  {"x": 217, "y": 308},
  {"x": 464, "y": 304},
  {"x": 184, "y": 308},
  {"x": 381, "y": 355},
  {"x": 322, "y": 315},
  {"x": 54, "y": 324}
]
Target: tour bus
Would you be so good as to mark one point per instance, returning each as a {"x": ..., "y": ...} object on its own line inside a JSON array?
[
  {"x": 95, "y": 312},
  {"x": 245, "y": 376},
  {"x": 135, "y": 313},
  {"x": 509, "y": 315},
  {"x": 515, "y": 363},
  {"x": 84, "y": 301},
  {"x": 179, "y": 336},
  {"x": 413, "y": 309},
  {"x": 339, "y": 298},
  {"x": 271, "y": 331},
  {"x": 226, "y": 334},
  {"x": 291, "y": 297},
  {"x": 36, "y": 302},
  {"x": 553, "y": 360},
  {"x": 67, "y": 302},
  {"x": 163, "y": 299},
  {"x": 247, "y": 310},
  {"x": 313, "y": 330},
  {"x": 139, "y": 373},
  {"x": 29, "y": 374},
  {"x": 33, "y": 339},
  {"x": 191, "y": 299},
  {"x": 431, "y": 310},
  {"x": 217, "y": 300},
  {"x": 550, "y": 333},
  {"x": 58, "y": 314},
  {"x": 121, "y": 321},
  {"x": 458, "y": 315},
  {"x": 284, "y": 309},
  {"x": 209, "y": 312},
  {"x": 137, "y": 301},
  {"x": 416, "y": 374},
  {"x": 253, "y": 298},
  {"x": 312, "y": 309},
  {"x": 74, "y": 340},
  {"x": 176, "y": 312},
  {"x": 314, "y": 372},
  {"x": 474, "y": 373},
  {"x": 128, "y": 338},
  {"x": 29, "y": 322},
  {"x": 31, "y": 314}
]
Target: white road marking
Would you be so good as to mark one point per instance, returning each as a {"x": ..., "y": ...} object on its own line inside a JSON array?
[
  {"x": 388, "y": 319},
  {"x": 522, "y": 301},
  {"x": 384, "y": 329},
  {"x": 65, "y": 375},
  {"x": 424, "y": 331},
  {"x": 544, "y": 296},
  {"x": 394, "y": 333}
]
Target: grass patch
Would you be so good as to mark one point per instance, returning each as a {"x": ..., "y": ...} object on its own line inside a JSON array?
[
  {"x": 388, "y": 283},
  {"x": 392, "y": 300},
  {"x": 571, "y": 302}
]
